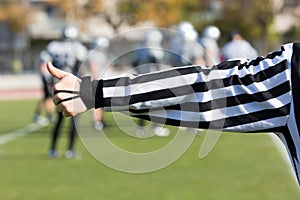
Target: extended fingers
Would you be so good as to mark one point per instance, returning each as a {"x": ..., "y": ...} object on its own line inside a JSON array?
[
  {"x": 63, "y": 103},
  {"x": 66, "y": 108},
  {"x": 60, "y": 107},
  {"x": 66, "y": 94},
  {"x": 67, "y": 114},
  {"x": 68, "y": 84},
  {"x": 70, "y": 106}
]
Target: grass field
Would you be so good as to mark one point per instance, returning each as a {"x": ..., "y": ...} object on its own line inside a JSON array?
[{"x": 241, "y": 166}]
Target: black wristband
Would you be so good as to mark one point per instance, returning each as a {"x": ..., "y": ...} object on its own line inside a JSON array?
[
  {"x": 98, "y": 88},
  {"x": 91, "y": 92},
  {"x": 86, "y": 92}
]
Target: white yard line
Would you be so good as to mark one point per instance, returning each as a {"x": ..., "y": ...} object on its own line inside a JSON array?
[{"x": 7, "y": 137}]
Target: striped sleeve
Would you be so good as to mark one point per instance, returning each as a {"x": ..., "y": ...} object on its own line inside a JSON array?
[{"x": 237, "y": 95}]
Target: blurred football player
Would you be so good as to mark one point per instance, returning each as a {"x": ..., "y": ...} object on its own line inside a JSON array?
[
  {"x": 209, "y": 42},
  {"x": 100, "y": 67},
  {"x": 67, "y": 54},
  {"x": 185, "y": 47},
  {"x": 148, "y": 55},
  {"x": 46, "y": 102}
]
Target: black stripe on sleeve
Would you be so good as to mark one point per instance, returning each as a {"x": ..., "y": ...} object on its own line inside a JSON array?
[
  {"x": 223, "y": 102},
  {"x": 136, "y": 79},
  {"x": 222, "y": 123},
  {"x": 256, "y": 116},
  {"x": 258, "y": 77}
]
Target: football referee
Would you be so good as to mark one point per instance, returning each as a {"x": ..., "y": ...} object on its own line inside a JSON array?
[{"x": 259, "y": 95}]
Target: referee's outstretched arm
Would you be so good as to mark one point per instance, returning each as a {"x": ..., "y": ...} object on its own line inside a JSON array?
[{"x": 237, "y": 95}]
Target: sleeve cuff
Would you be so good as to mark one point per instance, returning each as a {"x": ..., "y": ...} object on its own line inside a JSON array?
[
  {"x": 98, "y": 93},
  {"x": 91, "y": 92}
]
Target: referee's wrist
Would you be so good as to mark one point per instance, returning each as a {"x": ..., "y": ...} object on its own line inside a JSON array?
[
  {"x": 97, "y": 86},
  {"x": 86, "y": 92},
  {"x": 91, "y": 92}
]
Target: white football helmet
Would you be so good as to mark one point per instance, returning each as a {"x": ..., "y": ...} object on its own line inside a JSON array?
[
  {"x": 211, "y": 32},
  {"x": 187, "y": 30},
  {"x": 100, "y": 42},
  {"x": 70, "y": 32},
  {"x": 153, "y": 37}
]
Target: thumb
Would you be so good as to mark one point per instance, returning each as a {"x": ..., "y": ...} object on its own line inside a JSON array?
[{"x": 57, "y": 73}]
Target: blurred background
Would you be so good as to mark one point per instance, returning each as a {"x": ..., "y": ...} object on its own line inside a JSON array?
[{"x": 26, "y": 26}]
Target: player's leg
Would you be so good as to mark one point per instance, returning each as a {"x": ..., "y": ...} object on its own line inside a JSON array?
[
  {"x": 98, "y": 118},
  {"x": 42, "y": 105},
  {"x": 71, "y": 153},
  {"x": 50, "y": 107},
  {"x": 72, "y": 134},
  {"x": 38, "y": 118},
  {"x": 38, "y": 111},
  {"x": 55, "y": 135}
]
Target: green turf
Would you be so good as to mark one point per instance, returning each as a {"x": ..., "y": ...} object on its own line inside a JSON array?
[
  {"x": 239, "y": 167},
  {"x": 16, "y": 114}
]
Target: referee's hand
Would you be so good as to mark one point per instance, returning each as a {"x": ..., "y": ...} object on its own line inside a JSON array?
[{"x": 66, "y": 92}]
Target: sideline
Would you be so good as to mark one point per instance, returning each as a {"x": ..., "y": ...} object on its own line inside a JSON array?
[{"x": 7, "y": 137}]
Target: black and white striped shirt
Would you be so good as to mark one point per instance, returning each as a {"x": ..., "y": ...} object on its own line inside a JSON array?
[
  {"x": 238, "y": 95},
  {"x": 196, "y": 96}
]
